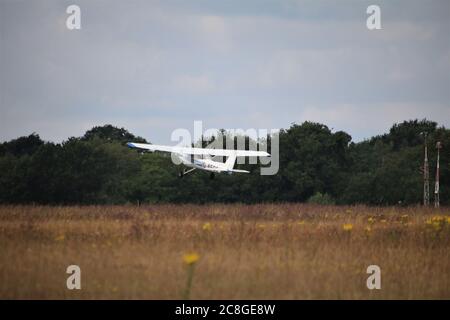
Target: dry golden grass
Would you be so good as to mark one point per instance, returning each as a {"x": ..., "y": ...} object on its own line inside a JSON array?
[{"x": 285, "y": 251}]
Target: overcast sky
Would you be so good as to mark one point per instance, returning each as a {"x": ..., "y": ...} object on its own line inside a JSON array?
[{"x": 155, "y": 66}]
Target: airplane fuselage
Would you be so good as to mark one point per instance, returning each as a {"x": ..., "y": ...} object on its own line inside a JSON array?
[{"x": 205, "y": 164}]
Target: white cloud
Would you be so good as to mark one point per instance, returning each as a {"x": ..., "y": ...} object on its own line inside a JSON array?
[
  {"x": 215, "y": 32},
  {"x": 193, "y": 84}
]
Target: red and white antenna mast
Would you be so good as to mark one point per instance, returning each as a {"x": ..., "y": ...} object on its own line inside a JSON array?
[{"x": 426, "y": 175}]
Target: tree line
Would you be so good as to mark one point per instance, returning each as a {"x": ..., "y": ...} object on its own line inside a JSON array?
[{"x": 316, "y": 165}]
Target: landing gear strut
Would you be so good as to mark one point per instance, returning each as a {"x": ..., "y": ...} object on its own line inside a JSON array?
[{"x": 211, "y": 176}]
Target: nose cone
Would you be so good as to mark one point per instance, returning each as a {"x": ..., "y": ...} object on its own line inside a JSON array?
[{"x": 130, "y": 144}]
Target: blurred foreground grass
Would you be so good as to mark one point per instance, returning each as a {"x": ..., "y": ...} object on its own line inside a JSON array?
[{"x": 285, "y": 251}]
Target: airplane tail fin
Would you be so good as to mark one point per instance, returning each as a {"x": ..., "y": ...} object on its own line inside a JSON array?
[{"x": 229, "y": 164}]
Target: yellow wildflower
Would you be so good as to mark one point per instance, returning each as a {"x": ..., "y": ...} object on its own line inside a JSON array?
[
  {"x": 191, "y": 258},
  {"x": 207, "y": 226},
  {"x": 61, "y": 237},
  {"x": 347, "y": 227}
]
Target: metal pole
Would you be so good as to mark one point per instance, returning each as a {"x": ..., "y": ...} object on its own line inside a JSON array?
[{"x": 436, "y": 186}]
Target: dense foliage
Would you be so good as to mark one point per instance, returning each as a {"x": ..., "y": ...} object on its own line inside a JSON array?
[{"x": 316, "y": 165}]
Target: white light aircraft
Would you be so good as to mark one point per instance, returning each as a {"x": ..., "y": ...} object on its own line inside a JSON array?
[{"x": 185, "y": 154}]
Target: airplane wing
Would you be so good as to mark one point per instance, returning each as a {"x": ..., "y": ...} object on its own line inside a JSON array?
[{"x": 191, "y": 150}]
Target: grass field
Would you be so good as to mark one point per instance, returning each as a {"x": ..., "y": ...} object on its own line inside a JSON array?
[{"x": 285, "y": 251}]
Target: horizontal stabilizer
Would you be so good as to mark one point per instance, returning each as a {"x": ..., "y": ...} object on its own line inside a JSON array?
[{"x": 240, "y": 171}]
